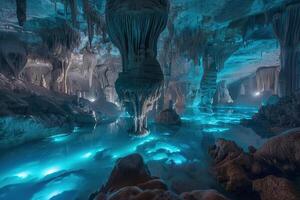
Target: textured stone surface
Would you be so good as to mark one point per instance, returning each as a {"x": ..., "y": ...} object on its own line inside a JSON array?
[
  {"x": 275, "y": 188},
  {"x": 238, "y": 170},
  {"x": 168, "y": 117},
  {"x": 131, "y": 180}
]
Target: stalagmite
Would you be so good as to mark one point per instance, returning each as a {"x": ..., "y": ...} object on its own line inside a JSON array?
[
  {"x": 222, "y": 95},
  {"x": 134, "y": 27},
  {"x": 90, "y": 62},
  {"x": 286, "y": 26}
]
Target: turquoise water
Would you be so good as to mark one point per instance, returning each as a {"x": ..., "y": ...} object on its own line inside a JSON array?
[{"x": 73, "y": 165}]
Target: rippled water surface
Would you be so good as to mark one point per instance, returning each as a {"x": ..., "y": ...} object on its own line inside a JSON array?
[{"x": 73, "y": 165}]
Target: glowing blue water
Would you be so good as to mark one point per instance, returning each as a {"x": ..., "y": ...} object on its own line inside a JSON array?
[{"x": 69, "y": 166}]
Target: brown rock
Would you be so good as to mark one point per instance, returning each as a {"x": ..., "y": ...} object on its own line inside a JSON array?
[
  {"x": 274, "y": 188},
  {"x": 231, "y": 166},
  {"x": 168, "y": 117},
  {"x": 202, "y": 195},
  {"x": 223, "y": 148},
  {"x": 282, "y": 152},
  {"x": 153, "y": 184},
  {"x": 129, "y": 171}
]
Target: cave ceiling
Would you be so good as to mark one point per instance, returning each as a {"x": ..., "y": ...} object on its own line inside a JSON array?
[{"x": 221, "y": 22}]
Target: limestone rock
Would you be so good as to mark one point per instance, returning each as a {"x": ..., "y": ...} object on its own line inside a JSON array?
[{"x": 275, "y": 188}]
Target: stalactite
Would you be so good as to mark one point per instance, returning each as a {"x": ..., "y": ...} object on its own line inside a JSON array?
[
  {"x": 267, "y": 79},
  {"x": 73, "y": 8},
  {"x": 135, "y": 33},
  {"x": 21, "y": 11},
  {"x": 286, "y": 26}
]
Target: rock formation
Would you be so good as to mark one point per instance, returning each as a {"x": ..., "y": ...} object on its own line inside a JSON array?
[
  {"x": 286, "y": 25},
  {"x": 273, "y": 118},
  {"x": 257, "y": 170},
  {"x": 131, "y": 180},
  {"x": 222, "y": 95},
  {"x": 134, "y": 27},
  {"x": 267, "y": 79}
]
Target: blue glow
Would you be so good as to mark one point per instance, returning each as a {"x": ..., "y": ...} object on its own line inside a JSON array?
[
  {"x": 212, "y": 130},
  {"x": 177, "y": 159},
  {"x": 77, "y": 152},
  {"x": 160, "y": 156},
  {"x": 51, "y": 171},
  {"x": 23, "y": 175},
  {"x": 87, "y": 155},
  {"x": 53, "y": 194},
  {"x": 164, "y": 146},
  {"x": 59, "y": 137}
]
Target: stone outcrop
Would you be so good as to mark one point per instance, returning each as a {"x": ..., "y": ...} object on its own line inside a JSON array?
[
  {"x": 131, "y": 180},
  {"x": 273, "y": 118},
  {"x": 134, "y": 27},
  {"x": 275, "y": 188},
  {"x": 252, "y": 172},
  {"x": 168, "y": 117}
]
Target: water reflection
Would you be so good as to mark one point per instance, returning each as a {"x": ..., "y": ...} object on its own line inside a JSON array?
[{"x": 73, "y": 165}]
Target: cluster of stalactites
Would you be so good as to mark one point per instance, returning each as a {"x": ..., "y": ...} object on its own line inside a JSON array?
[
  {"x": 138, "y": 99},
  {"x": 95, "y": 21},
  {"x": 134, "y": 27}
]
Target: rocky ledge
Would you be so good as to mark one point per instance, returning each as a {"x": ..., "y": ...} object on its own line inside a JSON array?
[
  {"x": 268, "y": 172},
  {"x": 275, "y": 117},
  {"x": 32, "y": 112}
]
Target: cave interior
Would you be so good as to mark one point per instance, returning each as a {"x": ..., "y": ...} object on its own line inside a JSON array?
[{"x": 150, "y": 99}]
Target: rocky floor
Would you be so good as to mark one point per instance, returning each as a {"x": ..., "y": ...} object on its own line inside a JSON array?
[{"x": 267, "y": 173}]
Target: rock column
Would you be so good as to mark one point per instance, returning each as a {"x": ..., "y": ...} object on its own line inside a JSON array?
[
  {"x": 134, "y": 27},
  {"x": 286, "y": 25}
]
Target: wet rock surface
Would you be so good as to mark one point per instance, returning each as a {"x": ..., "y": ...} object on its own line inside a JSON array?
[
  {"x": 274, "y": 118},
  {"x": 168, "y": 117},
  {"x": 131, "y": 180},
  {"x": 35, "y": 107},
  {"x": 254, "y": 172}
]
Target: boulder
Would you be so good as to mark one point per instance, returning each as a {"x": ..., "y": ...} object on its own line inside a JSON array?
[
  {"x": 282, "y": 152},
  {"x": 131, "y": 180},
  {"x": 128, "y": 171},
  {"x": 168, "y": 117},
  {"x": 275, "y": 188}
]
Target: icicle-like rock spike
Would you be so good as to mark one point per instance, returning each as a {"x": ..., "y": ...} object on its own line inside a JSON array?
[{"x": 134, "y": 27}]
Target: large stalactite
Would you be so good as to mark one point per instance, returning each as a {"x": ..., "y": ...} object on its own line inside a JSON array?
[
  {"x": 134, "y": 27},
  {"x": 286, "y": 26}
]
